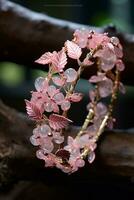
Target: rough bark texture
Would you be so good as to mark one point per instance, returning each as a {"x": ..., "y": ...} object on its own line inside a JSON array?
[
  {"x": 25, "y": 35},
  {"x": 17, "y": 156}
]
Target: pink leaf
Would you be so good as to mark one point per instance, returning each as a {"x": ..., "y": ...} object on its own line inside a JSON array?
[
  {"x": 33, "y": 111},
  {"x": 120, "y": 65},
  {"x": 58, "y": 81},
  {"x": 59, "y": 60},
  {"x": 81, "y": 37},
  {"x": 58, "y": 122},
  {"x": 76, "y": 97},
  {"x": 45, "y": 58},
  {"x": 73, "y": 50},
  {"x": 87, "y": 62}
]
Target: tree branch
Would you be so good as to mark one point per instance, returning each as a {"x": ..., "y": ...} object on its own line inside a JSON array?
[
  {"x": 25, "y": 35},
  {"x": 17, "y": 156}
]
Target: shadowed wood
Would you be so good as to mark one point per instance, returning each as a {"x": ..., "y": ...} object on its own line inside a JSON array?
[
  {"x": 25, "y": 35},
  {"x": 114, "y": 156}
]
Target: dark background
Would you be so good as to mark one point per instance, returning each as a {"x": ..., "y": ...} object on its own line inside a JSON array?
[{"x": 16, "y": 83}]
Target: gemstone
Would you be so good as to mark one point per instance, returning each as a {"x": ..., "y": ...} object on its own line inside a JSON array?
[{"x": 70, "y": 75}]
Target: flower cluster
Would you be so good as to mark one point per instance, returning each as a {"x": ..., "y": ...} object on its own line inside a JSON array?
[{"x": 55, "y": 93}]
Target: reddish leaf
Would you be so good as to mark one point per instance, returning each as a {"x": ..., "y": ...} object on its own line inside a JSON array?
[
  {"x": 58, "y": 122},
  {"x": 45, "y": 58},
  {"x": 33, "y": 111},
  {"x": 73, "y": 50},
  {"x": 59, "y": 60}
]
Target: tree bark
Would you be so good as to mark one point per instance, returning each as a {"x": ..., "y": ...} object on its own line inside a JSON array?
[
  {"x": 114, "y": 155},
  {"x": 25, "y": 35}
]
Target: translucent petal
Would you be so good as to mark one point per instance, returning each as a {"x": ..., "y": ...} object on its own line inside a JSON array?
[
  {"x": 47, "y": 144},
  {"x": 58, "y": 81},
  {"x": 59, "y": 97},
  {"x": 48, "y": 107},
  {"x": 40, "y": 154},
  {"x": 105, "y": 87},
  {"x": 115, "y": 40},
  {"x": 59, "y": 140},
  {"x": 70, "y": 75},
  {"x": 45, "y": 130},
  {"x": 65, "y": 105},
  {"x": 39, "y": 83},
  {"x": 91, "y": 157},
  {"x": 34, "y": 141},
  {"x": 80, "y": 163},
  {"x": 51, "y": 90}
]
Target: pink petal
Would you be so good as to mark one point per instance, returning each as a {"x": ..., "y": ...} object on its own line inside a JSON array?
[
  {"x": 41, "y": 84},
  {"x": 70, "y": 75},
  {"x": 97, "y": 39},
  {"x": 48, "y": 106},
  {"x": 58, "y": 98},
  {"x": 76, "y": 97},
  {"x": 80, "y": 163},
  {"x": 100, "y": 110},
  {"x": 114, "y": 40},
  {"x": 87, "y": 62},
  {"x": 65, "y": 105},
  {"x": 73, "y": 50},
  {"x": 120, "y": 65},
  {"x": 96, "y": 79},
  {"x": 34, "y": 141},
  {"x": 55, "y": 107},
  {"x": 118, "y": 52},
  {"x": 58, "y": 122},
  {"x": 58, "y": 81},
  {"x": 105, "y": 87},
  {"x": 91, "y": 157},
  {"x": 52, "y": 90},
  {"x": 81, "y": 37}
]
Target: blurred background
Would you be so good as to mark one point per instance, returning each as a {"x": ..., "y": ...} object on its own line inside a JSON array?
[{"x": 16, "y": 81}]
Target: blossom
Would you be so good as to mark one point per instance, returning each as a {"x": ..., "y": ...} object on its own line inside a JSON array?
[
  {"x": 97, "y": 39},
  {"x": 54, "y": 94},
  {"x": 81, "y": 37}
]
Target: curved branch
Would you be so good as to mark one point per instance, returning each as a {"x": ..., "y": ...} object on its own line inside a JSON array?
[
  {"x": 17, "y": 156},
  {"x": 25, "y": 35}
]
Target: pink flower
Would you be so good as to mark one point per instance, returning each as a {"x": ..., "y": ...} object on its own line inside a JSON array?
[
  {"x": 107, "y": 57},
  {"x": 81, "y": 37},
  {"x": 97, "y": 39}
]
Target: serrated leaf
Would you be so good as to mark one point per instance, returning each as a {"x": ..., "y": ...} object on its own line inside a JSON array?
[
  {"x": 59, "y": 60},
  {"x": 33, "y": 111},
  {"x": 45, "y": 58},
  {"x": 58, "y": 122},
  {"x": 73, "y": 50}
]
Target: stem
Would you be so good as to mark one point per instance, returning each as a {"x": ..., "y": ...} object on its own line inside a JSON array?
[
  {"x": 86, "y": 122},
  {"x": 110, "y": 109},
  {"x": 79, "y": 72}
]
